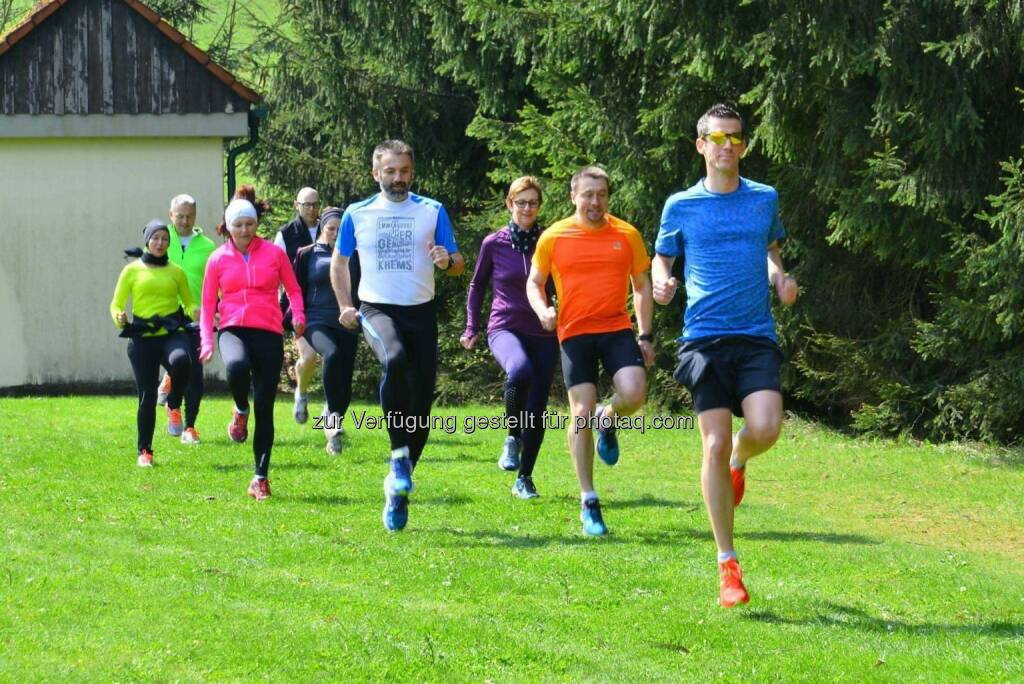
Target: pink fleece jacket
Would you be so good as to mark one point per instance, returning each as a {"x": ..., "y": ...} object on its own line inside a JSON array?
[{"x": 248, "y": 290}]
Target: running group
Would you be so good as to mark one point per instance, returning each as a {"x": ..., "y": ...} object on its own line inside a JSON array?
[{"x": 557, "y": 294}]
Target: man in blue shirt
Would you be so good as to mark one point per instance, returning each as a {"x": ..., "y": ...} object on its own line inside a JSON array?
[{"x": 727, "y": 230}]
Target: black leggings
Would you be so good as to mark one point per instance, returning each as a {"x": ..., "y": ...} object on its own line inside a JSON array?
[
  {"x": 338, "y": 348},
  {"x": 146, "y": 355},
  {"x": 254, "y": 357},
  {"x": 196, "y": 383},
  {"x": 404, "y": 340}
]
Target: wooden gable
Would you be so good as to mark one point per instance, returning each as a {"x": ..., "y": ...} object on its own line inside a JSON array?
[{"x": 110, "y": 57}]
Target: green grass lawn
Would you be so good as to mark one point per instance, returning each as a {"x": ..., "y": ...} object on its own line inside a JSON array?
[{"x": 865, "y": 560}]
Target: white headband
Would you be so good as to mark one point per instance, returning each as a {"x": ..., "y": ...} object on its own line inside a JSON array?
[{"x": 237, "y": 209}]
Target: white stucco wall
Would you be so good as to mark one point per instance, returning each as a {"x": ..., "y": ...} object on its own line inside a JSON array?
[{"x": 69, "y": 208}]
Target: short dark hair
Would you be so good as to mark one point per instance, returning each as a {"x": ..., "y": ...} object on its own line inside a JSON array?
[
  {"x": 590, "y": 172},
  {"x": 718, "y": 111},
  {"x": 394, "y": 147}
]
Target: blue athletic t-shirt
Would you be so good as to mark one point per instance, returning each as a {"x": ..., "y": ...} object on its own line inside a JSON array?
[{"x": 723, "y": 239}]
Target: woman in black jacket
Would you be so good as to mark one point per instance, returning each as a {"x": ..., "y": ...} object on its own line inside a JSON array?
[{"x": 335, "y": 343}]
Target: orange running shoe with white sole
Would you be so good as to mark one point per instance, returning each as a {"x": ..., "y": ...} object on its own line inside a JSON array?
[
  {"x": 259, "y": 489},
  {"x": 190, "y": 436},
  {"x": 238, "y": 428},
  {"x": 145, "y": 458},
  {"x": 174, "y": 424},
  {"x": 731, "y": 590},
  {"x": 163, "y": 390}
]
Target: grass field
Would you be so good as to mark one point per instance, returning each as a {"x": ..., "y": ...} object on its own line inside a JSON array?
[{"x": 865, "y": 560}]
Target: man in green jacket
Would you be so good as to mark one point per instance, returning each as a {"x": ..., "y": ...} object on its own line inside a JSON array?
[{"x": 189, "y": 249}]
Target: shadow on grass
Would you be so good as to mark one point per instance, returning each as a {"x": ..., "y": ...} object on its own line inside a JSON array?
[
  {"x": 820, "y": 537},
  {"x": 493, "y": 538},
  {"x": 460, "y": 457},
  {"x": 824, "y": 537},
  {"x": 649, "y": 502},
  {"x": 447, "y": 500},
  {"x": 835, "y": 615},
  {"x": 324, "y": 499},
  {"x": 246, "y": 464},
  {"x": 445, "y": 440}
]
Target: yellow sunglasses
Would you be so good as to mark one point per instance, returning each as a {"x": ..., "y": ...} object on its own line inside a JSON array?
[{"x": 719, "y": 138}]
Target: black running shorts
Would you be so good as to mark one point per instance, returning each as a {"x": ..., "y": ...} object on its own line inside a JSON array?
[
  {"x": 582, "y": 354},
  {"x": 721, "y": 371}
]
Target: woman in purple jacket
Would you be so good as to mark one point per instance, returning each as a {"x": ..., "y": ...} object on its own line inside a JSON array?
[{"x": 524, "y": 349}]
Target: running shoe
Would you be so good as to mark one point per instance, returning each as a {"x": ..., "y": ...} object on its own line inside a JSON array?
[
  {"x": 739, "y": 484},
  {"x": 333, "y": 441},
  {"x": 174, "y": 424},
  {"x": 593, "y": 522},
  {"x": 259, "y": 489},
  {"x": 164, "y": 390},
  {"x": 400, "y": 477},
  {"x": 608, "y": 444},
  {"x": 238, "y": 428},
  {"x": 510, "y": 454},
  {"x": 731, "y": 590},
  {"x": 396, "y": 510},
  {"x": 190, "y": 436},
  {"x": 145, "y": 458},
  {"x": 300, "y": 410},
  {"x": 524, "y": 488}
]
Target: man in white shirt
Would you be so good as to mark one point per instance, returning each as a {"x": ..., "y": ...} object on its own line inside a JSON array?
[{"x": 401, "y": 238}]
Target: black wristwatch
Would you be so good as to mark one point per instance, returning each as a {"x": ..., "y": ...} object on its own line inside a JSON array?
[{"x": 647, "y": 337}]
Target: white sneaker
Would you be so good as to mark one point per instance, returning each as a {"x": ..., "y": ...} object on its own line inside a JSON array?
[
  {"x": 299, "y": 411},
  {"x": 333, "y": 432}
]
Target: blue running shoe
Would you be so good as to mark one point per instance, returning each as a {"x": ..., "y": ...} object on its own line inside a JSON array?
[
  {"x": 400, "y": 476},
  {"x": 608, "y": 446},
  {"x": 510, "y": 454},
  {"x": 590, "y": 516},
  {"x": 524, "y": 488},
  {"x": 396, "y": 510}
]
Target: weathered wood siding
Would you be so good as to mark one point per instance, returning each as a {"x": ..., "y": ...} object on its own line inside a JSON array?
[{"x": 102, "y": 57}]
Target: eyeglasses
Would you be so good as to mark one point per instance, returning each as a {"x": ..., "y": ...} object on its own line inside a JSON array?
[
  {"x": 526, "y": 204},
  {"x": 308, "y": 205},
  {"x": 719, "y": 138}
]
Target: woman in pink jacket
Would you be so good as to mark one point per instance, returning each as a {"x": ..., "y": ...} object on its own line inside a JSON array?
[{"x": 246, "y": 272}]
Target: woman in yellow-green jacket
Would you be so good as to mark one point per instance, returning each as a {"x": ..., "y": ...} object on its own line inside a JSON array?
[{"x": 157, "y": 332}]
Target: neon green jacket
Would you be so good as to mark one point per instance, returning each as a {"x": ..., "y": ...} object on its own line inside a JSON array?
[
  {"x": 192, "y": 260},
  {"x": 154, "y": 292}
]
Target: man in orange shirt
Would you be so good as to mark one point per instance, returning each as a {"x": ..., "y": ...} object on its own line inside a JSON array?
[{"x": 591, "y": 256}]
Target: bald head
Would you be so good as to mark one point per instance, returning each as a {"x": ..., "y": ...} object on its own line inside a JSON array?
[{"x": 307, "y": 204}]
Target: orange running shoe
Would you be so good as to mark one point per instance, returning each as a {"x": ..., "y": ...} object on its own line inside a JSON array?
[
  {"x": 190, "y": 436},
  {"x": 164, "y": 390},
  {"x": 238, "y": 428},
  {"x": 145, "y": 458},
  {"x": 739, "y": 484},
  {"x": 259, "y": 489},
  {"x": 174, "y": 424},
  {"x": 731, "y": 590}
]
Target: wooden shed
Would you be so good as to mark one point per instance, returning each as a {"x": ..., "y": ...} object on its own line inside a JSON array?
[{"x": 106, "y": 112}]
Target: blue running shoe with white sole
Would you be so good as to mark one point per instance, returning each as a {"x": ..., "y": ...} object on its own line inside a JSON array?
[
  {"x": 510, "y": 454},
  {"x": 593, "y": 522},
  {"x": 400, "y": 476},
  {"x": 396, "y": 511},
  {"x": 524, "y": 488},
  {"x": 608, "y": 446}
]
